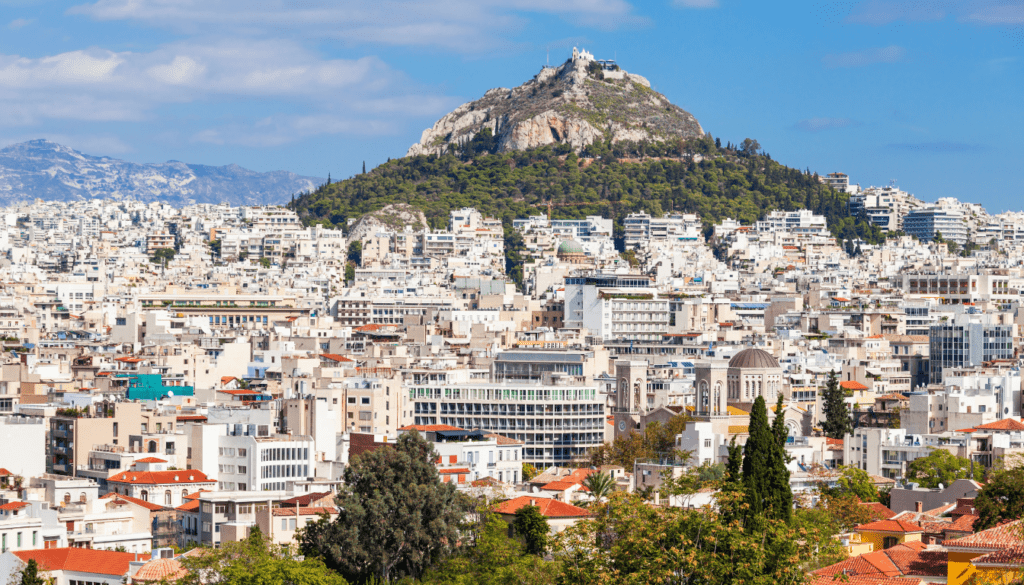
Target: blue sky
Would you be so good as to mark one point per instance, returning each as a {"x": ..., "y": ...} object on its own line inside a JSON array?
[{"x": 927, "y": 92}]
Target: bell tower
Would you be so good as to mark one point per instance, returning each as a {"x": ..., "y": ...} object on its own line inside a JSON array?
[{"x": 630, "y": 395}]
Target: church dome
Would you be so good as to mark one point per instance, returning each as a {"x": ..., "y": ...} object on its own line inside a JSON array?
[
  {"x": 753, "y": 358},
  {"x": 569, "y": 247}
]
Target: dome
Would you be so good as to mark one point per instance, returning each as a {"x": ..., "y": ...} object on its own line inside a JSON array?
[
  {"x": 569, "y": 247},
  {"x": 753, "y": 358}
]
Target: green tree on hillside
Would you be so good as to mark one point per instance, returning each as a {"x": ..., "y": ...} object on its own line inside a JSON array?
[
  {"x": 30, "y": 574},
  {"x": 532, "y": 527},
  {"x": 1002, "y": 498}
]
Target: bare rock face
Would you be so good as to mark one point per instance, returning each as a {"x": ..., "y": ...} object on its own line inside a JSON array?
[
  {"x": 576, "y": 104},
  {"x": 396, "y": 217}
]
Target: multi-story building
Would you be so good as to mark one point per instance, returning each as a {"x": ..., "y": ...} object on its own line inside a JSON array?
[
  {"x": 885, "y": 452},
  {"x": 616, "y": 306},
  {"x": 945, "y": 219},
  {"x": 676, "y": 227},
  {"x": 557, "y": 423},
  {"x": 967, "y": 340}
]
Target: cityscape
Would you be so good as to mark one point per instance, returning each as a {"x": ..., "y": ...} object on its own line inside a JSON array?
[{"x": 573, "y": 336}]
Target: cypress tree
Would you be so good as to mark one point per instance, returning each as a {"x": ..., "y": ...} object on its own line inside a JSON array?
[
  {"x": 779, "y": 423},
  {"x": 765, "y": 477},
  {"x": 837, "y": 422}
]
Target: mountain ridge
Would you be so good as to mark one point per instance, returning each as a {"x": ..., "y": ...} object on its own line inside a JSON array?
[{"x": 41, "y": 169}]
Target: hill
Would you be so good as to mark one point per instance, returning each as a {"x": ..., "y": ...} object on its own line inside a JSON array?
[
  {"x": 578, "y": 103},
  {"x": 47, "y": 170},
  {"x": 697, "y": 175}
]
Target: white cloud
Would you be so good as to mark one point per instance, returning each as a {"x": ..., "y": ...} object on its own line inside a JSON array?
[
  {"x": 20, "y": 23},
  {"x": 695, "y": 3},
  {"x": 891, "y": 54},
  {"x": 101, "y": 85},
  {"x": 280, "y": 130},
  {"x": 470, "y": 26}
]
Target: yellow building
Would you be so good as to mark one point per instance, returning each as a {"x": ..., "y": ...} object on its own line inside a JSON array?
[
  {"x": 989, "y": 554},
  {"x": 884, "y": 534}
]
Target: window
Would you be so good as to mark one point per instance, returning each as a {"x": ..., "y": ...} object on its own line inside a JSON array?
[
  {"x": 245, "y": 508},
  {"x": 206, "y": 526},
  {"x": 890, "y": 541},
  {"x": 241, "y": 452},
  {"x": 167, "y": 498},
  {"x": 365, "y": 400},
  {"x": 220, "y": 508},
  {"x": 115, "y": 429},
  {"x": 144, "y": 496},
  {"x": 707, "y": 443},
  {"x": 19, "y": 540}
]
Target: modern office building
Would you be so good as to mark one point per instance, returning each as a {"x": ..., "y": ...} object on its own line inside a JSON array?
[
  {"x": 558, "y": 423},
  {"x": 944, "y": 218},
  {"x": 967, "y": 340}
]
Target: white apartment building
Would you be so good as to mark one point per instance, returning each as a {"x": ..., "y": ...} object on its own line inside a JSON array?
[
  {"x": 968, "y": 401},
  {"x": 557, "y": 423},
  {"x": 885, "y": 452},
  {"x": 616, "y": 306},
  {"x": 676, "y": 227},
  {"x": 946, "y": 217},
  {"x": 247, "y": 462}
]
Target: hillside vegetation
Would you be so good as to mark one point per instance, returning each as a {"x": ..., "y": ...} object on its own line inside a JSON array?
[{"x": 697, "y": 175}]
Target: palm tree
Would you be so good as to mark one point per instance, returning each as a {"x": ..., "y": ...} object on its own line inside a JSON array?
[{"x": 600, "y": 485}]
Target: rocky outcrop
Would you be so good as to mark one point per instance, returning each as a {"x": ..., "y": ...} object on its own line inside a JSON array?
[
  {"x": 395, "y": 217},
  {"x": 574, "y": 104}
]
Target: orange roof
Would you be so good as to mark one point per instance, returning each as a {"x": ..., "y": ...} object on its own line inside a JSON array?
[
  {"x": 453, "y": 471},
  {"x": 558, "y": 486},
  {"x": 128, "y": 360},
  {"x": 879, "y": 509},
  {"x": 239, "y": 392},
  {"x": 1013, "y": 556},
  {"x": 151, "y": 460},
  {"x": 4, "y": 472},
  {"x": 189, "y": 417},
  {"x": 189, "y": 506},
  {"x": 160, "y": 570},
  {"x": 225, "y": 379},
  {"x": 121, "y": 498},
  {"x": 429, "y": 428},
  {"x": 889, "y": 526},
  {"x": 999, "y": 537},
  {"x": 852, "y": 385},
  {"x": 335, "y": 357},
  {"x": 14, "y": 506},
  {"x": 305, "y": 511},
  {"x": 82, "y": 560},
  {"x": 160, "y": 477},
  {"x": 1006, "y": 424},
  {"x": 548, "y": 507}
]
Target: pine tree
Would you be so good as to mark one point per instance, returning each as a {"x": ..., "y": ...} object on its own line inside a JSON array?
[
  {"x": 364, "y": 167},
  {"x": 30, "y": 574},
  {"x": 837, "y": 422}
]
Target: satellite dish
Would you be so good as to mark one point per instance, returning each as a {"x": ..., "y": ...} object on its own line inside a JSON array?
[{"x": 170, "y": 394}]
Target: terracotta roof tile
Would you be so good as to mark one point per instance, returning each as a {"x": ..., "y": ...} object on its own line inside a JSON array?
[
  {"x": 151, "y": 460},
  {"x": 999, "y": 537},
  {"x": 852, "y": 385},
  {"x": 880, "y": 510},
  {"x": 889, "y": 526},
  {"x": 429, "y": 428},
  {"x": 119, "y": 497},
  {"x": 83, "y": 560},
  {"x": 1006, "y": 424},
  {"x": 1012, "y": 556},
  {"x": 548, "y": 507},
  {"x": 306, "y": 499},
  {"x": 160, "y": 570},
  {"x": 160, "y": 477}
]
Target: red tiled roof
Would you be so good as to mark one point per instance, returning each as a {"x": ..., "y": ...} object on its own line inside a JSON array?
[
  {"x": 1006, "y": 424},
  {"x": 889, "y": 526},
  {"x": 305, "y": 511},
  {"x": 964, "y": 523},
  {"x": 831, "y": 441},
  {"x": 151, "y": 460},
  {"x": 874, "y": 564},
  {"x": 548, "y": 507},
  {"x": 1012, "y": 556},
  {"x": 359, "y": 443},
  {"x": 929, "y": 563},
  {"x": 879, "y": 509},
  {"x": 5, "y": 473},
  {"x": 189, "y": 506},
  {"x": 160, "y": 570},
  {"x": 502, "y": 439},
  {"x": 225, "y": 379},
  {"x": 119, "y": 497},
  {"x": 13, "y": 506},
  {"x": 190, "y": 417},
  {"x": 306, "y": 499},
  {"x": 852, "y": 385},
  {"x": 999, "y": 537},
  {"x": 453, "y": 471},
  {"x": 82, "y": 560},
  {"x": 558, "y": 486},
  {"x": 160, "y": 477},
  {"x": 429, "y": 428},
  {"x": 335, "y": 357}
]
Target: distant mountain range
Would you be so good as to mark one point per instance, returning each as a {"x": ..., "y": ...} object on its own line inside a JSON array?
[{"x": 40, "y": 169}]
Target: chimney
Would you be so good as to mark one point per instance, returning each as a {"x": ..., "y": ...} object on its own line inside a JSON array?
[
  {"x": 533, "y": 502},
  {"x": 919, "y": 507},
  {"x": 657, "y": 497}
]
